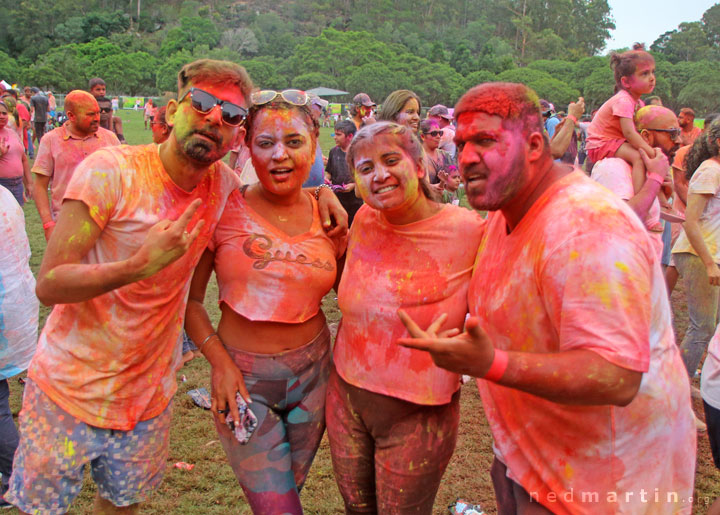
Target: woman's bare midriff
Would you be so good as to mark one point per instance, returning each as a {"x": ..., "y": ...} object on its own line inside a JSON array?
[{"x": 265, "y": 337}]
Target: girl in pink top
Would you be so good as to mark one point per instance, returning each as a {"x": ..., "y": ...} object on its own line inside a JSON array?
[
  {"x": 14, "y": 165},
  {"x": 612, "y": 131},
  {"x": 392, "y": 414},
  {"x": 274, "y": 263}
]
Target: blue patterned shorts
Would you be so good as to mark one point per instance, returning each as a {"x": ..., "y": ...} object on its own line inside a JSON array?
[{"x": 55, "y": 446}]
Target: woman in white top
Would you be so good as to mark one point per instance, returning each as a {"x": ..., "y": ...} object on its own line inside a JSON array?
[{"x": 697, "y": 250}]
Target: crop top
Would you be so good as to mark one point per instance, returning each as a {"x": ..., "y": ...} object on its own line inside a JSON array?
[{"x": 266, "y": 275}]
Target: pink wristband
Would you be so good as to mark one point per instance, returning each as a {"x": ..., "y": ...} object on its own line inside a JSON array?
[
  {"x": 656, "y": 177},
  {"x": 572, "y": 117},
  {"x": 49, "y": 224},
  {"x": 498, "y": 367}
]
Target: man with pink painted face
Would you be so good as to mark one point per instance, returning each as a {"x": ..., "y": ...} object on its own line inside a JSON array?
[
  {"x": 658, "y": 126},
  {"x": 570, "y": 335}
]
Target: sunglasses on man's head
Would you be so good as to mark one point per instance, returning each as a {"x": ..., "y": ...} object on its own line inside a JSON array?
[
  {"x": 203, "y": 102},
  {"x": 434, "y": 134},
  {"x": 295, "y": 97}
]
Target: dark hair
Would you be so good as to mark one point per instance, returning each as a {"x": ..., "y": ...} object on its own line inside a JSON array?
[
  {"x": 221, "y": 73},
  {"x": 394, "y": 103},
  {"x": 427, "y": 125},
  {"x": 96, "y": 81},
  {"x": 687, "y": 110},
  {"x": 624, "y": 64},
  {"x": 160, "y": 116},
  {"x": 311, "y": 122},
  {"x": 705, "y": 147},
  {"x": 406, "y": 140},
  {"x": 346, "y": 127}
]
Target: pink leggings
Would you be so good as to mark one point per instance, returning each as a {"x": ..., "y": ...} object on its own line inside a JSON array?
[{"x": 388, "y": 454}]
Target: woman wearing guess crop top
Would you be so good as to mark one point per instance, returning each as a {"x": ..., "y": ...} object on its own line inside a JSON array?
[
  {"x": 274, "y": 263},
  {"x": 392, "y": 414}
]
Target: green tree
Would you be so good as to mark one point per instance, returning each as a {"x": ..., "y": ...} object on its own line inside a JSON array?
[
  {"x": 688, "y": 43},
  {"x": 8, "y": 68},
  {"x": 702, "y": 92},
  {"x": 264, "y": 75},
  {"x": 167, "y": 71},
  {"x": 375, "y": 79},
  {"x": 711, "y": 25},
  {"x": 478, "y": 77},
  {"x": 193, "y": 31},
  {"x": 314, "y": 80},
  {"x": 127, "y": 73},
  {"x": 546, "y": 86},
  {"x": 598, "y": 87},
  {"x": 559, "y": 69}
]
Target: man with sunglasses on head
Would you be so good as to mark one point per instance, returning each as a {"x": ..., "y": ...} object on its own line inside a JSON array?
[
  {"x": 133, "y": 224},
  {"x": 659, "y": 127},
  {"x": 62, "y": 149}
]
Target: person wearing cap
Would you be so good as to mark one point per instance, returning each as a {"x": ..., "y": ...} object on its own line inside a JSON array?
[
  {"x": 362, "y": 110},
  {"x": 441, "y": 114},
  {"x": 551, "y": 119}
]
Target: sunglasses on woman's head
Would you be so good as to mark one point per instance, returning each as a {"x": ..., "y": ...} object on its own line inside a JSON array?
[
  {"x": 203, "y": 102},
  {"x": 291, "y": 96}
]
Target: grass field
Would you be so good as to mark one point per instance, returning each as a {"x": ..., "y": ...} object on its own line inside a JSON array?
[{"x": 211, "y": 488}]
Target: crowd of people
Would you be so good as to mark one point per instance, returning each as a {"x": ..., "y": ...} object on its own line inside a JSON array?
[{"x": 530, "y": 249}]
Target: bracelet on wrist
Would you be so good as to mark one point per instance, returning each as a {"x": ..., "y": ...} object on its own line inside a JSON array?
[
  {"x": 498, "y": 367},
  {"x": 49, "y": 224},
  {"x": 207, "y": 339},
  {"x": 321, "y": 186},
  {"x": 573, "y": 118}
]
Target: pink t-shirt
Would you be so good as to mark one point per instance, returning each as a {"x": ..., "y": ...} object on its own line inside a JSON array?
[
  {"x": 11, "y": 165},
  {"x": 423, "y": 268},
  {"x": 577, "y": 272},
  {"x": 110, "y": 361},
  {"x": 605, "y": 126},
  {"x": 265, "y": 275},
  {"x": 60, "y": 152},
  {"x": 616, "y": 175}
]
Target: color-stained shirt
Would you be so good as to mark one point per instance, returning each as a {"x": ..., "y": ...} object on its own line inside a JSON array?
[
  {"x": 11, "y": 163},
  {"x": 605, "y": 126},
  {"x": 577, "y": 272},
  {"x": 18, "y": 303},
  {"x": 110, "y": 361},
  {"x": 59, "y": 154},
  {"x": 705, "y": 181},
  {"x": 266, "y": 275},
  {"x": 688, "y": 138},
  {"x": 424, "y": 268},
  {"x": 616, "y": 175}
]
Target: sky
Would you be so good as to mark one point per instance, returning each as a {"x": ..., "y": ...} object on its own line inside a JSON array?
[{"x": 645, "y": 20}]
